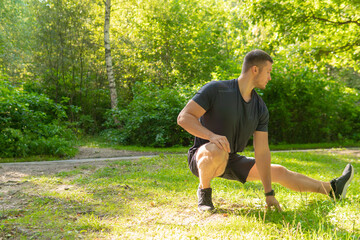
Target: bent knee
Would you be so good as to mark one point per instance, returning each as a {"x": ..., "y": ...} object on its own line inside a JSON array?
[
  {"x": 211, "y": 149},
  {"x": 211, "y": 154}
]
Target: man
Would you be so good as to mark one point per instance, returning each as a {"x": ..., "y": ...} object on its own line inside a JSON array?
[{"x": 222, "y": 116}]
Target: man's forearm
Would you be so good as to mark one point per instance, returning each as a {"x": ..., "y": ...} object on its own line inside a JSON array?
[
  {"x": 263, "y": 163},
  {"x": 189, "y": 120},
  {"x": 192, "y": 125}
]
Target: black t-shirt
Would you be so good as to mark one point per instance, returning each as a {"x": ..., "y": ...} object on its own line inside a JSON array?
[{"x": 228, "y": 114}]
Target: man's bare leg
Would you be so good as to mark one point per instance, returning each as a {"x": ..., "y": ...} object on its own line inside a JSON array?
[
  {"x": 211, "y": 163},
  {"x": 292, "y": 180}
]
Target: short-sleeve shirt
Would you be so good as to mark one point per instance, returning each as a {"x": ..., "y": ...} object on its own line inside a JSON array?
[{"x": 228, "y": 114}]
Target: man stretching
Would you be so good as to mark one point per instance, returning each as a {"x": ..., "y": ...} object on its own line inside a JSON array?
[{"x": 222, "y": 116}]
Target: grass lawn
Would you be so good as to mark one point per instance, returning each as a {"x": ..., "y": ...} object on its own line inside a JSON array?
[{"x": 155, "y": 198}]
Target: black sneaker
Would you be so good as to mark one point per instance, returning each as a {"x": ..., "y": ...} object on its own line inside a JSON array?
[
  {"x": 339, "y": 185},
  {"x": 205, "y": 203}
]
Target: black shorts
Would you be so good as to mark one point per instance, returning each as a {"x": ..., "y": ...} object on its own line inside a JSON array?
[{"x": 237, "y": 168}]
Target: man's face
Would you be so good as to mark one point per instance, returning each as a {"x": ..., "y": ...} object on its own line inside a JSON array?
[{"x": 263, "y": 76}]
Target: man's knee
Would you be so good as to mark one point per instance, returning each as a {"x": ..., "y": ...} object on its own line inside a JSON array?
[
  {"x": 279, "y": 172},
  {"x": 211, "y": 155}
]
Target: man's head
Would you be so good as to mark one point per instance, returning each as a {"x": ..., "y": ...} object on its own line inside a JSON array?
[
  {"x": 257, "y": 58},
  {"x": 257, "y": 66}
]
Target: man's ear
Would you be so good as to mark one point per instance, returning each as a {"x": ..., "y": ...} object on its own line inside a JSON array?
[{"x": 255, "y": 69}]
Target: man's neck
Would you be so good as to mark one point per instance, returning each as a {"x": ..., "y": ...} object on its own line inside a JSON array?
[{"x": 246, "y": 87}]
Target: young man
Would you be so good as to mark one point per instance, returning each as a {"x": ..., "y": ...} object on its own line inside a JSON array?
[{"x": 222, "y": 116}]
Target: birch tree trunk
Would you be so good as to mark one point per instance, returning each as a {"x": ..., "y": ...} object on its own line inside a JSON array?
[{"x": 108, "y": 59}]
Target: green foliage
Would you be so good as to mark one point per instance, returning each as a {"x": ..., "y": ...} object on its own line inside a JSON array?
[
  {"x": 307, "y": 107},
  {"x": 30, "y": 124},
  {"x": 15, "y": 38},
  {"x": 184, "y": 41},
  {"x": 55, "y": 47},
  {"x": 150, "y": 119},
  {"x": 346, "y": 75},
  {"x": 68, "y": 59},
  {"x": 317, "y": 32}
]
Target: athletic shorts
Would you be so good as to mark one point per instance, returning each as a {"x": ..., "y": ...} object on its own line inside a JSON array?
[{"x": 237, "y": 168}]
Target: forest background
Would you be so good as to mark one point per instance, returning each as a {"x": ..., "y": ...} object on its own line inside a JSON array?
[{"x": 54, "y": 87}]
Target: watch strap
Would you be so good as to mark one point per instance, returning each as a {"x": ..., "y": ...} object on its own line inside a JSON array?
[{"x": 271, "y": 193}]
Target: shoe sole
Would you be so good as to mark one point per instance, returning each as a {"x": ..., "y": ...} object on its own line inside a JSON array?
[
  {"x": 347, "y": 184},
  {"x": 210, "y": 210}
]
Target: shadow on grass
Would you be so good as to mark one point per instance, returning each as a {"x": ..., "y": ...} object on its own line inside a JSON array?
[{"x": 314, "y": 217}]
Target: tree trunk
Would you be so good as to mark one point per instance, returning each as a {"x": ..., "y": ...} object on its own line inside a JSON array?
[{"x": 108, "y": 59}]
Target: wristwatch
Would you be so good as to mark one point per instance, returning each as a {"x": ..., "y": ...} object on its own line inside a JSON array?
[{"x": 271, "y": 193}]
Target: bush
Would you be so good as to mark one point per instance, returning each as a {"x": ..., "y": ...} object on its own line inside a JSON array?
[
  {"x": 30, "y": 124},
  {"x": 309, "y": 107},
  {"x": 305, "y": 107},
  {"x": 150, "y": 119}
]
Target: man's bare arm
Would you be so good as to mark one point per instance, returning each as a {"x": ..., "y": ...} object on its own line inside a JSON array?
[
  {"x": 189, "y": 120},
  {"x": 263, "y": 164}
]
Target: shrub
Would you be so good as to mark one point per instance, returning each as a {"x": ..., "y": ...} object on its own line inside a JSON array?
[
  {"x": 150, "y": 119},
  {"x": 30, "y": 124},
  {"x": 307, "y": 107}
]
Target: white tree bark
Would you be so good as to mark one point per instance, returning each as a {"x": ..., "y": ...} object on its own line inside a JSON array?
[{"x": 108, "y": 59}]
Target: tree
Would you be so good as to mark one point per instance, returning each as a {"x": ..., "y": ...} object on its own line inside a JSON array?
[
  {"x": 177, "y": 42},
  {"x": 68, "y": 59},
  {"x": 108, "y": 59},
  {"x": 15, "y": 38}
]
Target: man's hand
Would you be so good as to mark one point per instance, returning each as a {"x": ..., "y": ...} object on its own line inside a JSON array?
[
  {"x": 271, "y": 201},
  {"x": 221, "y": 142}
]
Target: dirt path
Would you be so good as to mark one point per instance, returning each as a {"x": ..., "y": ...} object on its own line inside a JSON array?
[{"x": 98, "y": 157}]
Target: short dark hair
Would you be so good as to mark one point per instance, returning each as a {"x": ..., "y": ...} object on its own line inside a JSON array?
[{"x": 255, "y": 58}]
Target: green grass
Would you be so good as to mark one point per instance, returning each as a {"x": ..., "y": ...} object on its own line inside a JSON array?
[{"x": 155, "y": 198}]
